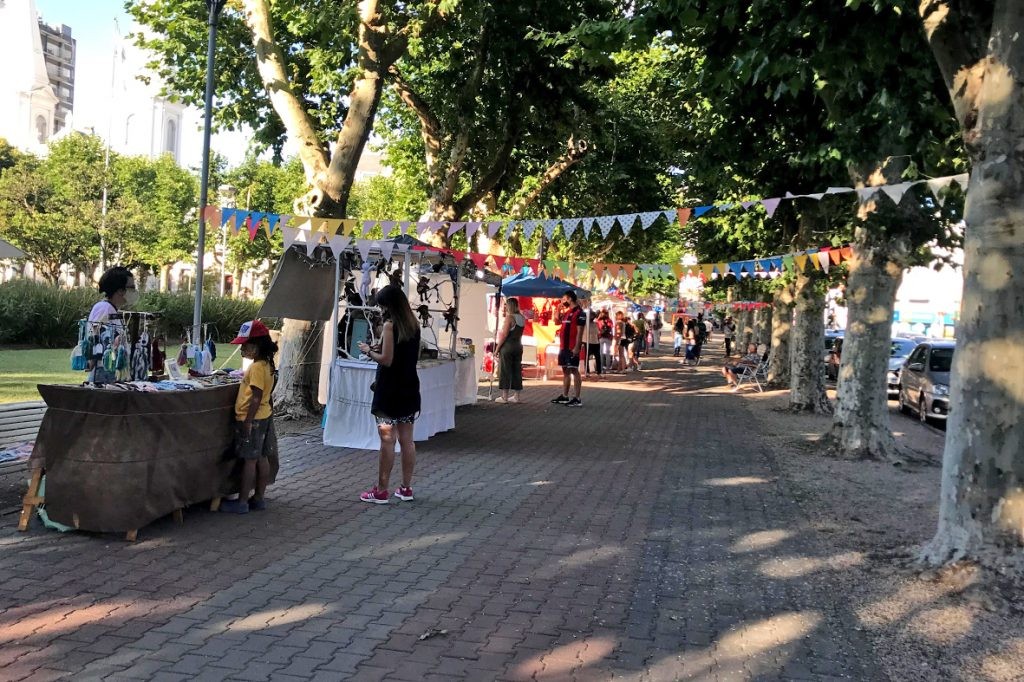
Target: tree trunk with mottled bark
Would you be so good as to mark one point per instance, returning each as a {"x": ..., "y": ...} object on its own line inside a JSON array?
[
  {"x": 860, "y": 427},
  {"x": 782, "y": 327},
  {"x": 807, "y": 369},
  {"x": 981, "y": 509}
]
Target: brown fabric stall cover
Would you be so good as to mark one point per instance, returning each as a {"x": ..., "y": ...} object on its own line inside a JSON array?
[
  {"x": 120, "y": 460},
  {"x": 299, "y": 290}
]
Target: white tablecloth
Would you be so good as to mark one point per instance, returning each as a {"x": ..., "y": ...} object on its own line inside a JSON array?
[
  {"x": 348, "y": 422},
  {"x": 467, "y": 382}
]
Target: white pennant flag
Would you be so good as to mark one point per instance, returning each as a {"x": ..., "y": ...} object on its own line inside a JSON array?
[
  {"x": 492, "y": 228},
  {"x": 817, "y": 196},
  {"x": 896, "y": 192},
  {"x": 510, "y": 228},
  {"x": 626, "y": 222},
  {"x": 569, "y": 226},
  {"x": 549, "y": 228},
  {"x": 386, "y": 249},
  {"x": 364, "y": 246},
  {"x": 838, "y": 190},
  {"x": 648, "y": 218},
  {"x": 528, "y": 227},
  {"x": 455, "y": 227},
  {"x": 401, "y": 248},
  {"x": 606, "y": 223},
  {"x": 865, "y": 194},
  {"x": 386, "y": 226},
  {"x": 471, "y": 228},
  {"x": 403, "y": 227},
  {"x": 289, "y": 235},
  {"x": 938, "y": 187},
  {"x": 588, "y": 225},
  {"x": 671, "y": 216},
  {"x": 368, "y": 225},
  {"x": 963, "y": 180},
  {"x": 312, "y": 241},
  {"x": 823, "y": 259},
  {"x": 747, "y": 204},
  {"x": 337, "y": 244}
]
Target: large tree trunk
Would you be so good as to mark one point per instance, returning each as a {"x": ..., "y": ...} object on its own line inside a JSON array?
[
  {"x": 763, "y": 325},
  {"x": 981, "y": 512},
  {"x": 861, "y": 427},
  {"x": 782, "y": 327},
  {"x": 298, "y": 369},
  {"x": 807, "y": 371}
]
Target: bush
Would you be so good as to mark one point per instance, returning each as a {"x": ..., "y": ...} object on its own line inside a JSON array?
[{"x": 41, "y": 315}]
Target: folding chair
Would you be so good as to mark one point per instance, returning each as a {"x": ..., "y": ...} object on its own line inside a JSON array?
[{"x": 755, "y": 375}]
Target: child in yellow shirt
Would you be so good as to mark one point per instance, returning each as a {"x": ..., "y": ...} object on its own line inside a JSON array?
[{"x": 253, "y": 415}]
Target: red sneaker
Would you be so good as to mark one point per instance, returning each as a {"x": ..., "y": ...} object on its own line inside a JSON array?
[
  {"x": 404, "y": 494},
  {"x": 375, "y": 496}
]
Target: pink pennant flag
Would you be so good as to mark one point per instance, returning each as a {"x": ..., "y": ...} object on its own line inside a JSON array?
[{"x": 770, "y": 205}]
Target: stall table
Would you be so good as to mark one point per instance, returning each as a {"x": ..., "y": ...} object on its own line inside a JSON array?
[
  {"x": 443, "y": 385},
  {"x": 117, "y": 460}
]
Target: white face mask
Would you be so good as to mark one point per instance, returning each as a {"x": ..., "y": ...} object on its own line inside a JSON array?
[{"x": 131, "y": 297}]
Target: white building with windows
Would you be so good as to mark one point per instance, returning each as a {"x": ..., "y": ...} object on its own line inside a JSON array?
[{"x": 28, "y": 104}]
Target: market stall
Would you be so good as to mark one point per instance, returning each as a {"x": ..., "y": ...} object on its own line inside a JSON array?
[{"x": 116, "y": 460}]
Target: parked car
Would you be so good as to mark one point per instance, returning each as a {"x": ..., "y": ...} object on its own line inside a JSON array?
[
  {"x": 924, "y": 380},
  {"x": 899, "y": 350}
]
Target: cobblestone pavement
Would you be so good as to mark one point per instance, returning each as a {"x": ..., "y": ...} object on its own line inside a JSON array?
[{"x": 642, "y": 537}]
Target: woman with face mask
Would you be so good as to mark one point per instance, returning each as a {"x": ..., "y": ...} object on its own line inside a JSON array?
[{"x": 105, "y": 330}]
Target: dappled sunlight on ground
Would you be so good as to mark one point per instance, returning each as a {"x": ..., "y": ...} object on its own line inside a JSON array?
[
  {"x": 760, "y": 540},
  {"x": 272, "y": 618},
  {"x": 796, "y": 567},
  {"x": 736, "y": 480},
  {"x": 562, "y": 660},
  {"x": 943, "y": 625}
]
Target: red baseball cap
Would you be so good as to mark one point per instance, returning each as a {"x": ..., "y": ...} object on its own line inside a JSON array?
[{"x": 251, "y": 330}]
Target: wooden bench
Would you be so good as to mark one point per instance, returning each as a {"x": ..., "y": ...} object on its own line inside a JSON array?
[{"x": 19, "y": 423}]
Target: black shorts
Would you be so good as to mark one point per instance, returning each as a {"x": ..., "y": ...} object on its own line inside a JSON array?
[
  {"x": 568, "y": 359},
  {"x": 253, "y": 446}
]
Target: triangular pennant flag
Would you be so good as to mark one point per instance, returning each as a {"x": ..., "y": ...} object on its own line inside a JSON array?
[
  {"x": 747, "y": 204},
  {"x": 272, "y": 220},
  {"x": 517, "y": 263},
  {"x": 241, "y": 218},
  {"x": 347, "y": 227},
  {"x": 534, "y": 265},
  {"x": 938, "y": 187},
  {"x": 367, "y": 226},
  {"x": 569, "y": 226},
  {"x": 865, "y": 194},
  {"x": 964, "y": 179},
  {"x": 289, "y": 235},
  {"x": 629, "y": 268},
  {"x": 510, "y": 228},
  {"x": 563, "y": 265},
  {"x": 836, "y": 255},
  {"x": 847, "y": 252},
  {"x": 312, "y": 241},
  {"x": 402, "y": 248},
  {"x": 211, "y": 214},
  {"x": 736, "y": 269},
  {"x": 316, "y": 224},
  {"x": 896, "y": 192},
  {"x": 648, "y": 218},
  {"x": 817, "y": 196},
  {"x": 549, "y": 227},
  {"x": 549, "y": 267},
  {"x": 722, "y": 270},
  {"x": 587, "y": 224},
  {"x": 677, "y": 270},
  {"x": 823, "y": 260},
  {"x": 701, "y": 210},
  {"x": 801, "y": 261},
  {"x": 499, "y": 262},
  {"x": 838, "y": 190},
  {"x": 405, "y": 226},
  {"x": 787, "y": 262},
  {"x": 455, "y": 227},
  {"x": 683, "y": 215},
  {"x": 606, "y": 222},
  {"x": 254, "y": 224},
  {"x": 364, "y": 246},
  {"x": 770, "y": 205},
  {"x": 707, "y": 271},
  {"x": 337, "y": 244},
  {"x": 529, "y": 226},
  {"x": 386, "y": 249},
  {"x": 386, "y": 226},
  {"x": 627, "y": 221},
  {"x": 471, "y": 228},
  {"x": 598, "y": 269},
  {"x": 333, "y": 226},
  {"x": 776, "y": 262},
  {"x": 492, "y": 228},
  {"x": 227, "y": 215},
  {"x": 479, "y": 260}
]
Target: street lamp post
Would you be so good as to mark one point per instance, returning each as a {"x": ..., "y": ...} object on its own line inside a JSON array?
[{"x": 214, "y": 7}]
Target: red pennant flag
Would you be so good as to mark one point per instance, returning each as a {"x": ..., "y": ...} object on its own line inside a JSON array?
[
  {"x": 479, "y": 260},
  {"x": 534, "y": 264},
  {"x": 517, "y": 264},
  {"x": 684, "y": 216},
  {"x": 499, "y": 261}
]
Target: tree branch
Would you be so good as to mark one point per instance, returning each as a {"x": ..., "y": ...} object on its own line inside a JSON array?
[
  {"x": 271, "y": 65},
  {"x": 493, "y": 176},
  {"x": 430, "y": 126},
  {"x": 573, "y": 155}
]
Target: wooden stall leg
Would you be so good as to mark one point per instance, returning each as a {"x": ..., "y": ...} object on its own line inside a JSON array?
[
  {"x": 215, "y": 504},
  {"x": 179, "y": 516},
  {"x": 131, "y": 535},
  {"x": 31, "y": 499}
]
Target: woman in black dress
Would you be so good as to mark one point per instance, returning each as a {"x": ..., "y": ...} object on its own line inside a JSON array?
[
  {"x": 396, "y": 391},
  {"x": 510, "y": 354}
]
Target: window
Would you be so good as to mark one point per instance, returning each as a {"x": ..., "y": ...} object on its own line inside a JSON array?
[
  {"x": 941, "y": 360},
  {"x": 171, "y": 144},
  {"x": 42, "y": 129}
]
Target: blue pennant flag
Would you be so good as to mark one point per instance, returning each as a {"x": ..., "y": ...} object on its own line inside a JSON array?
[
  {"x": 226, "y": 214},
  {"x": 736, "y": 268},
  {"x": 701, "y": 210},
  {"x": 272, "y": 220}
]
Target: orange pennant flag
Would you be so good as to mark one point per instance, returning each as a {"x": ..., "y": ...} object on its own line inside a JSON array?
[
  {"x": 835, "y": 255},
  {"x": 630, "y": 268},
  {"x": 847, "y": 252},
  {"x": 684, "y": 216},
  {"x": 211, "y": 214}
]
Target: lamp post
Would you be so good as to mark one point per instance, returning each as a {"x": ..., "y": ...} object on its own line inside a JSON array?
[
  {"x": 214, "y": 7},
  {"x": 227, "y": 200}
]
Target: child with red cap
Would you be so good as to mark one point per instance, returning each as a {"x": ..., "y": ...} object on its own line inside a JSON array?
[{"x": 253, "y": 415}]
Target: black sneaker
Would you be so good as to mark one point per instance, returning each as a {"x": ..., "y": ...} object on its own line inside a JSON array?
[
  {"x": 575, "y": 402},
  {"x": 560, "y": 400}
]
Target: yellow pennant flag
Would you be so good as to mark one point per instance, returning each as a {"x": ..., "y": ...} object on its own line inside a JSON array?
[
  {"x": 801, "y": 261},
  {"x": 707, "y": 271},
  {"x": 813, "y": 258},
  {"x": 317, "y": 224},
  {"x": 722, "y": 269},
  {"x": 348, "y": 227},
  {"x": 677, "y": 269},
  {"x": 331, "y": 226}
]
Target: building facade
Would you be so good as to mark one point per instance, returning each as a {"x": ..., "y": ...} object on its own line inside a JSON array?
[
  {"x": 28, "y": 103},
  {"x": 59, "y": 56}
]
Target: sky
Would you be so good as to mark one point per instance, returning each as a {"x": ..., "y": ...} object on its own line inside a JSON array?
[{"x": 92, "y": 25}]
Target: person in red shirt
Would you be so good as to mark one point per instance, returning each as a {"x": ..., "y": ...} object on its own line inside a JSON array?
[{"x": 571, "y": 337}]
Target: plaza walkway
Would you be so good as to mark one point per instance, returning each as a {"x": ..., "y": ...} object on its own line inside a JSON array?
[{"x": 642, "y": 537}]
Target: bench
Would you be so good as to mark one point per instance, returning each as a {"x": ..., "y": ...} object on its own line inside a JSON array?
[{"x": 19, "y": 423}]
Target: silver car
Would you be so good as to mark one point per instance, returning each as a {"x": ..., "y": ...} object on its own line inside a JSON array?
[
  {"x": 900, "y": 349},
  {"x": 924, "y": 380}
]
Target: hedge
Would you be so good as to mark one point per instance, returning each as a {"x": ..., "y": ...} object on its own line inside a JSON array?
[{"x": 41, "y": 315}]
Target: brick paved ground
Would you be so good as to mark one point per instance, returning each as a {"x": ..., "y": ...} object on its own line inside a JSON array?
[{"x": 641, "y": 537}]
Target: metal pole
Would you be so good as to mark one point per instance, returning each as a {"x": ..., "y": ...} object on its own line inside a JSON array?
[{"x": 215, "y": 7}]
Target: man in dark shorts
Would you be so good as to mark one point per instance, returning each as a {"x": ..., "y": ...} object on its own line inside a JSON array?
[{"x": 571, "y": 341}]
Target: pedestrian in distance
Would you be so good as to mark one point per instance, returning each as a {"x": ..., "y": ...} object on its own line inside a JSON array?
[
  {"x": 728, "y": 333},
  {"x": 678, "y": 334},
  {"x": 396, "y": 392},
  {"x": 254, "y": 414},
  {"x": 573, "y": 323},
  {"x": 593, "y": 345},
  {"x": 606, "y": 337},
  {"x": 510, "y": 353},
  {"x": 657, "y": 324}
]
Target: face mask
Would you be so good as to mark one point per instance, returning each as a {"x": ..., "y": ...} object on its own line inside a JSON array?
[{"x": 131, "y": 297}]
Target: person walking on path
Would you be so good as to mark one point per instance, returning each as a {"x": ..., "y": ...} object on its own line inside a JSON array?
[
  {"x": 728, "y": 332},
  {"x": 623, "y": 336},
  {"x": 640, "y": 341},
  {"x": 656, "y": 326},
  {"x": 396, "y": 392},
  {"x": 254, "y": 417},
  {"x": 678, "y": 333},
  {"x": 510, "y": 353},
  {"x": 592, "y": 338},
  {"x": 570, "y": 335},
  {"x": 605, "y": 333}
]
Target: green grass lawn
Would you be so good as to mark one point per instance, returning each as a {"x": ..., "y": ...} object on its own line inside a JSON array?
[{"x": 21, "y": 370}]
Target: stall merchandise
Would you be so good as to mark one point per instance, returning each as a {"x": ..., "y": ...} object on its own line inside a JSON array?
[{"x": 116, "y": 460}]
